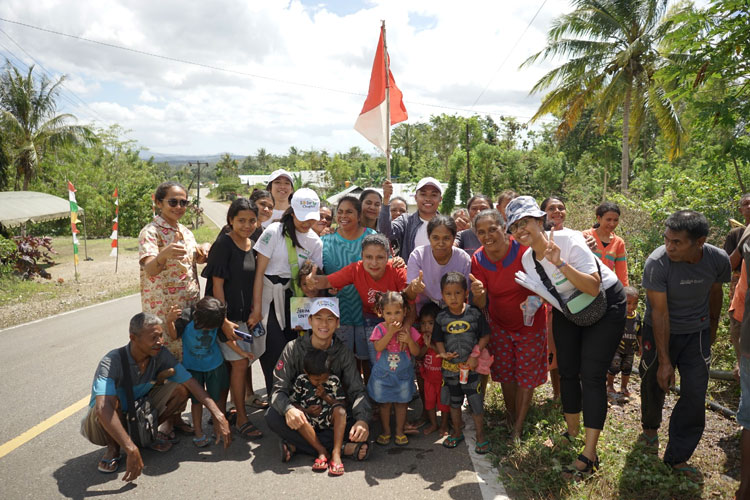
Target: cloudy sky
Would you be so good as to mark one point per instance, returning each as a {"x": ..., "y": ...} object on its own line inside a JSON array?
[{"x": 292, "y": 73}]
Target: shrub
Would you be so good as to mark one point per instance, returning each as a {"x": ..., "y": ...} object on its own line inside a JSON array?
[
  {"x": 7, "y": 256},
  {"x": 32, "y": 255}
]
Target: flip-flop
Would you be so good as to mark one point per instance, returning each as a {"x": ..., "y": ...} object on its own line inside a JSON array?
[
  {"x": 201, "y": 442},
  {"x": 110, "y": 466},
  {"x": 161, "y": 446},
  {"x": 320, "y": 465},
  {"x": 401, "y": 440},
  {"x": 256, "y": 402},
  {"x": 452, "y": 442},
  {"x": 247, "y": 431},
  {"x": 482, "y": 448},
  {"x": 650, "y": 443},
  {"x": 383, "y": 439},
  {"x": 357, "y": 450},
  {"x": 691, "y": 473},
  {"x": 335, "y": 470},
  {"x": 171, "y": 437},
  {"x": 286, "y": 451}
]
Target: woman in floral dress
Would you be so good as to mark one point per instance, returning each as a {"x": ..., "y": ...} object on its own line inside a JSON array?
[{"x": 168, "y": 255}]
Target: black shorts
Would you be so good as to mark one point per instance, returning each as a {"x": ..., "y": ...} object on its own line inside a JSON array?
[{"x": 453, "y": 393}]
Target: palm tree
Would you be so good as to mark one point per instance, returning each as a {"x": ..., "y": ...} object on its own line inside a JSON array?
[
  {"x": 263, "y": 158},
  {"x": 613, "y": 48},
  {"x": 29, "y": 121}
]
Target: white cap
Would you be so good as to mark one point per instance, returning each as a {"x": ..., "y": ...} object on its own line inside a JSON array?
[
  {"x": 332, "y": 304},
  {"x": 429, "y": 181},
  {"x": 280, "y": 173},
  {"x": 306, "y": 204}
]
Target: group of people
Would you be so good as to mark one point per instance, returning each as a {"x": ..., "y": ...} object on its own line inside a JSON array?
[{"x": 425, "y": 304}]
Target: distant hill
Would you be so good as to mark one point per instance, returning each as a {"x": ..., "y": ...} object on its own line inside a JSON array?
[{"x": 178, "y": 159}]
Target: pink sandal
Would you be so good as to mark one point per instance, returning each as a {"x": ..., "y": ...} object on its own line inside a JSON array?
[{"x": 320, "y": 465}]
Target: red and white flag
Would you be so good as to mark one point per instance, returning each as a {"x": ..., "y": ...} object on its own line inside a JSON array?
[
  {"x": 372, "y": 120},
  {"x": 115, "y": 221}
]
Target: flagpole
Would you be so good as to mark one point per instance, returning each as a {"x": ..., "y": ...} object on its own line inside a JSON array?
[
  {"x": 387, "y": 107},
  {"x": 73, "y": 217},
  {"x": 117, "y": 240}
]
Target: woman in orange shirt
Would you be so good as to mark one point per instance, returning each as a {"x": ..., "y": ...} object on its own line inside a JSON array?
[{"x": 610, "y": 248}]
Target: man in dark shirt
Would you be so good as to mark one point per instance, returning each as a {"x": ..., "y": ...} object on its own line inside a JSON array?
[{"x": 683, "y": 280}]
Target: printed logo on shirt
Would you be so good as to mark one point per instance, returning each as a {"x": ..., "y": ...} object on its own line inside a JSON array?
[
  {"x": 456, "y": 327},
  {"x": 371, "y": 294},
  {"x": 279, "y": 366},
  {"x": 559, "y": 278},
  {"x": 691, "y": 282},
  {"x": 266, "y": 238}
]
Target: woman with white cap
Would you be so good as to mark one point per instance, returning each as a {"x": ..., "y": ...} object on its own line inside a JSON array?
[
  {"x": 584, "y": 292},
  {"x": 281, "y": 250},
  {"x": 281, "y": 186}
]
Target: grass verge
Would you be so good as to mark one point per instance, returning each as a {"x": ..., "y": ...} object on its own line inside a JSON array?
[{"x": 533, "y": 469}]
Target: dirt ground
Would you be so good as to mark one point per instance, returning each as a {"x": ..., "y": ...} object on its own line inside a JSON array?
[{"x": 96, "y": 282}]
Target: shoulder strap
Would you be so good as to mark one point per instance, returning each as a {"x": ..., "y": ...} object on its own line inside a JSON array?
[
  {"x": 293, "y": 266},
  {"x": 545, "y": 279},
  {"x": 128, "y": 382}
]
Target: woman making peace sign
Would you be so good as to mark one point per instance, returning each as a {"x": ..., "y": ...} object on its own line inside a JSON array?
[{"x": 565, "y": 264}]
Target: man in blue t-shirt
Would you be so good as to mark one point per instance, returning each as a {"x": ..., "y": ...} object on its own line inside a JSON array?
[
  {"x": 150, "y": 366},
  {"x": 683, "y": 280}
]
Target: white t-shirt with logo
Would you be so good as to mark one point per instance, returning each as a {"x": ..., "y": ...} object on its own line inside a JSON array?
[
  {"x": 271, "y": 244},
  {"x": 421, "y": 238},
  {"x": 576, "y": 253}
]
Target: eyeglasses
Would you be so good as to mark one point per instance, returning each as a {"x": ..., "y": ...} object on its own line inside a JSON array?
[
  {"x": 518, "y": 225},
  {"x": 173, "y": 202}
]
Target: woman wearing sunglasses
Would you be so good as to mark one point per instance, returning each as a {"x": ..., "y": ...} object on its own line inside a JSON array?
[
  {"x": 562, "y": 261},
  {"x": 168, "y": 255}
]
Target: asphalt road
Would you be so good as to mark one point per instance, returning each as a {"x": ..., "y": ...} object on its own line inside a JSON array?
[{"x": 47, "y": 366}]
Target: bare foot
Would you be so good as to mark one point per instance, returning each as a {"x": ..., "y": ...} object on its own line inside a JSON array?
[
  {"x": 444, "y": 431},
  {"x": 430, "y": 429}
]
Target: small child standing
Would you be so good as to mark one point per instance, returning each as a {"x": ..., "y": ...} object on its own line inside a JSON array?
[
  {"x": 392, "y": 380},
  {"x": 460, "y": 334},
  {"x": 201, "y": 355},
  {"x": 318, "y": 393},
  {"x": 631, "y": 341},
  {"x": 431, "y": 371}
]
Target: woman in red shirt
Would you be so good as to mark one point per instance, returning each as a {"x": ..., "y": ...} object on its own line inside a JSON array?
[{"x": 519, "y": 348}]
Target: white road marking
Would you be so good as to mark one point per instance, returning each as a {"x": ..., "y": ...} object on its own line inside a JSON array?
[
  {"x": 69, "y": 312},
  {"x": 487, "y": 475}
]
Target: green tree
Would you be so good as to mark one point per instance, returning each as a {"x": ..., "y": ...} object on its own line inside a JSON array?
[
  {"x": 613, "y": 48},
  {"x": 449, "y": 197},
  {"x": 339, "y": 171},
  {"x": 715, "y": 80},
  {"x": 30, "y": 123},
  {"x": 445, "y": 136},
  {"x": 227, "y": 167},
  {"x": 263, "y": 159}
]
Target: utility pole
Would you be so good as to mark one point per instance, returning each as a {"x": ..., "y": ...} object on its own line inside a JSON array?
[
  {"x": 198, "y": 196},
  {"x": 468, "y": 164}
]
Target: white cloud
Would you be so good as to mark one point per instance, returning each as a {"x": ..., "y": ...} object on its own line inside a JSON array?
[{"x": 446, "y": 59}]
